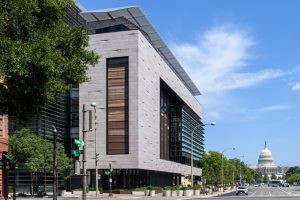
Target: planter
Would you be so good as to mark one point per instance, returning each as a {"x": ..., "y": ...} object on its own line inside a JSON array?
[
  {"x": 179, "y": 193},
  {"x": 146, "y": 192},
  {"x": 137, "y": 193},
  {"x": 152, "y": 193},
  {"x": 188, "y": 193},
  {"x": 173, "y": 193},
  {"x": 167, "y": 193},
  {"x": 197, "y": 192}
]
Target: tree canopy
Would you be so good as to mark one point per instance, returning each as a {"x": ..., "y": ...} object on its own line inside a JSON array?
[
  {"x": 41, "y": 56},
  {"x": 36, "y": 153},
  {"x": 211, "y": 165},
  {"x": 294, "y": 178}
]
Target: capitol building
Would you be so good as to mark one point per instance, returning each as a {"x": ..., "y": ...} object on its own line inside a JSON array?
[{"x": 266, "y": 165}]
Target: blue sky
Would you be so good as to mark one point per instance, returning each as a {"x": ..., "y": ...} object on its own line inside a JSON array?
[{"x": 244, "y": 56}]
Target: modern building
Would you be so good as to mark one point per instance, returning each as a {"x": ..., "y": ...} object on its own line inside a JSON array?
[
  {"x": 3, "y": 150},
  {"x": 146, "y": 105},
  {"x": 266, "y": 165}
]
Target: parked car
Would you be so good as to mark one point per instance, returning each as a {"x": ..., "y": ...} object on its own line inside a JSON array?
[
  {"x": 241, "y": 190},
  {"x": 256, "y": 185},
  {"x": 285, "y": 185}
]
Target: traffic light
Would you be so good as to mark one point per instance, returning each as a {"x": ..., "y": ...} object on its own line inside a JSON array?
[
  {"x": 77, "y": 147},
  {"x": 7, "y": 163}
]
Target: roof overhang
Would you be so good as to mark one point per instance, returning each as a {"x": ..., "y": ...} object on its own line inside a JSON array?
[{"x": 136, "y": 17}]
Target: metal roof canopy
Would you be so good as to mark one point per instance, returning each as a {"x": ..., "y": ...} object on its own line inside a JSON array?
[{"x": 135, "y": 16}]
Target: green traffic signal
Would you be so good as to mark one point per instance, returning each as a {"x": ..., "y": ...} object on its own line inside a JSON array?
[
  {"x": 78, "y": 142},
  {"x": 76, "y": 152}
]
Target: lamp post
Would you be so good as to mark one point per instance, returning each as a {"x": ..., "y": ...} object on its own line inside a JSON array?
[
  {"x": 94, "y": 105},
  {"x": 54, "y": 165},
  {"x": 240, "y": 168},
  {"x": 233, "y": 176},
  {"x": 110, "y": 178},
  {"x": 84, "y": 174},
  {"x": 222, "y": 176},
  {"x": 15, "y": 181},
  {"x": 192, "y": 149}
]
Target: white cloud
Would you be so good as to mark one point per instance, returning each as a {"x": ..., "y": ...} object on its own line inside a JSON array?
[
  {"x": 274, "y": 108},
  {"x": 215, "y": 60},
  {"x": 218, "y": 62},
  {"x": 296, "y": 86}
]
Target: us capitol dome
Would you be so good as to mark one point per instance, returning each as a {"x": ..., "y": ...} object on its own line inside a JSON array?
[
  {"x": 266, "y": 165},
  {"x": 265, "y": 159}
]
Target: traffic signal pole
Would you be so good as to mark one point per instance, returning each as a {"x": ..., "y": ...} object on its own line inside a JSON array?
[
  {"x": 54, "y": 165},
  {"x": 84, "y": 189}
]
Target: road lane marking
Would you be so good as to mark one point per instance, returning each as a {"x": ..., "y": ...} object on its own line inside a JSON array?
[
  {"x": 289, "y": 194},
  {"x": 269, "y": 191}
]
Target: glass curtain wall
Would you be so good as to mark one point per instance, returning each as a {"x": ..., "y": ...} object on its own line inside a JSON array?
[{"x": 177, "y": 122}]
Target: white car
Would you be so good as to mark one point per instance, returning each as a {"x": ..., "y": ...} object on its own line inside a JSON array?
[
  {"x": 241, "y": 190},
  {"x": 256, "y": 185}
]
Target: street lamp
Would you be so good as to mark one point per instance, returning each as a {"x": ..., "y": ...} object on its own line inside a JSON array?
[
  {"x": 54, "y": 164},
  {"x": 192, "y": 149},
  {"x": 231, "y": 148},
  {"x": 240, "y": 168},
  {"x": 94, "y": 105},
  {"x": 110, "y": 178}
]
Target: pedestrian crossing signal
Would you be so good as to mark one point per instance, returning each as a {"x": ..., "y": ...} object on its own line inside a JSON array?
[{"x": 7, "y": 163}]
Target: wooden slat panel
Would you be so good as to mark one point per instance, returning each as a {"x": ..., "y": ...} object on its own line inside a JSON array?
[{"x": 117, "y": 107}]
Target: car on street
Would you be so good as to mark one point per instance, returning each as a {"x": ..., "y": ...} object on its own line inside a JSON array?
[
  {"x": 241, "y": 190},
  {"x": 256, "y": 185}
]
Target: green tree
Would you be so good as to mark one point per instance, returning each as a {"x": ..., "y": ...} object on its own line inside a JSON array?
[
  {"x": 294, "y": 178},
  {"x": 273, "y": 176},
  {"x": 36, "y": 154},
  {"x": 292, "y": 170},
  {"x": 266, "y": 178},
  {"x": 40, "y": 55}
]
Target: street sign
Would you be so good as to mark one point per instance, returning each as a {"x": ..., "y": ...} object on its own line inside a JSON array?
[
  {"x": 79, "y": 142},
  {"x": 76, "y": 152},
  {"x": 106, "y": 172}
]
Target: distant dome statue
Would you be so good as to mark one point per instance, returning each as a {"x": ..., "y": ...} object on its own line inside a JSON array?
[
  {"x": 266, "y": 166},
  {"x": 265, "y": 158}
]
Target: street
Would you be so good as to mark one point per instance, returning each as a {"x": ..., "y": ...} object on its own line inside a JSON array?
[
  {"x": 266, "y": 193},
  {"x": 258, "y": 193}
]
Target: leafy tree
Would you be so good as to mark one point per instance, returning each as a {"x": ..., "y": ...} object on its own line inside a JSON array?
[
  {"x": 36, "y": 154},
  {"x": 294, "y": 178},
  {"x": 40, "y": 55},
  {"x": 273, "y": 176},
  {"x": 211, "y": 164},
  {"x": 266, "y": 178},
  {"x": 292, "y": 170}
]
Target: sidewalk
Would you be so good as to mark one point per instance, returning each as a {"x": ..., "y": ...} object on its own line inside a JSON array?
[
  {"x": 128, "y": 196},
  {"x": 157, "y": 196}
]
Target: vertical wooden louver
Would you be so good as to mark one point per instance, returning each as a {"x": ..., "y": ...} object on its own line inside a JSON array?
[{"x": 117, "y": 106}]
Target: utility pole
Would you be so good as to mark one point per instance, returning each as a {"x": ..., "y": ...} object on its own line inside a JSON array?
[
  {"x": 94, "y": 105},
  {"x": 110, "y": 180},
  {"x": 15, "y": 181},
  {"x": 84, "y": 190},
  {"x": 54, "y": 165}
]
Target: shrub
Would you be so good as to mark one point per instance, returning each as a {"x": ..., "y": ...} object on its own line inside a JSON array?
[{"x": 167, "y": 188}]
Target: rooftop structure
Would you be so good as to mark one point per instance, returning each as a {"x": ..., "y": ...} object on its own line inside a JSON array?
[{"x": 135, "y": 19}]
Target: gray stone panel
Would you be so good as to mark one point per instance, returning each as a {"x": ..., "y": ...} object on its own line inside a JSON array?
[{"x": 146, "y": 67}]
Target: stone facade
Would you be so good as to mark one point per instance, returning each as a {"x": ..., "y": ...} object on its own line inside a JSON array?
[
  {"x": 146, "y": 68},
  {"x": 3, "y": 149}
]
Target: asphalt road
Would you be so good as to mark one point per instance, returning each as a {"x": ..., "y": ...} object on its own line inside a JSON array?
[{"x": 261, "y": 193}]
